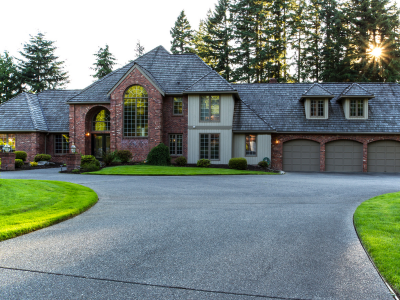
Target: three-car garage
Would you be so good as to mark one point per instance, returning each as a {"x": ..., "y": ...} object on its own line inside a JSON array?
[{"x": 304, "y": 155}]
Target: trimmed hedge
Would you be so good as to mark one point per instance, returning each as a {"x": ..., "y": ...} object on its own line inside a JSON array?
[
  {"x": 203, "y": 163},
  {"x": 19, "y": 163},
  {"x": 181, "y": 161},
  {"x": 42, "y": 157},
  {"x": 159, "y": 156},
  {"x": 21, "y": 155},
  {"x": 238, "y": 163},
  {"x": 123, "y": 155}
]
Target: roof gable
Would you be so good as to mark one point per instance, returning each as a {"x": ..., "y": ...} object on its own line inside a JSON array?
[
  {"x": 211, "y": 82},
  {"x": 36, "y": 112},
  {"x": 316, "y": 90},
  {"x": 246, "y": 119},
  {"x": 355, "y": 90}
]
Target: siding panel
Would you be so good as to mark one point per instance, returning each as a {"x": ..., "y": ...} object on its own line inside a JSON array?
[{"x": 263, "y": 147}]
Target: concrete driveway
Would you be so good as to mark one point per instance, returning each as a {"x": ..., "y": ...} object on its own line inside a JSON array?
[{"x": 206, "y": 237}]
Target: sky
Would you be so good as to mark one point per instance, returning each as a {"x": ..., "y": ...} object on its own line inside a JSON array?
[{"x": 80, "y": 28}]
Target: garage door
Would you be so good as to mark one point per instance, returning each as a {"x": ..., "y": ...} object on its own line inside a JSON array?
[
  {"x": 384, "y": 156},
  {"x": 301, "y": 155},
  {"x": 344, "y": 156}
]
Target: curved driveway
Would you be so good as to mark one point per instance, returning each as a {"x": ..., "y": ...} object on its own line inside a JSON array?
[{"x": 205, "y": 237}]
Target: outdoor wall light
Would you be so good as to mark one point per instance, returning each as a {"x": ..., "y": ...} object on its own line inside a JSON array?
[
  {"x": 7, "y": 148},
  {"x": 73, "y": 149},
  {"x": 88, "y": 134},
  {"x": 277, "y": 142}
]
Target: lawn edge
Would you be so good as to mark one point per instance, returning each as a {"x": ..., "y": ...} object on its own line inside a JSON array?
[
  {"x": 392, "y": 292},
  {"x": 89, "y": 173}
]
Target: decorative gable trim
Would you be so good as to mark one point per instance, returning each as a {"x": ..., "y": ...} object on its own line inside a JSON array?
[{"x": 144, "y": 73}]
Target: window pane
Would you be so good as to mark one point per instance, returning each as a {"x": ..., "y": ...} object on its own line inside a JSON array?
[
  {"x": 214, "y": 146},
  {"x": 179, "y": 144},
  {"x": 204, "y": 108},
  {"x": 203, "y": 146},
  {"x": 61, "y": 144},
  {"x": 214, "y": 108},
  {"x": 320, "y": 108},
  {"x": 101, "y": 121},
  {"x": 136, "y": 112},
  {"x": 353, "y": 104},
  {"x": 177, "y": 106},
  {"x": 360, "y": 108},
  {"x": 172, "y": 144},
  {"x": 175, "y": 144},
  {"x": 251, "y": 145},
  {"x": 313, "y": 108}
]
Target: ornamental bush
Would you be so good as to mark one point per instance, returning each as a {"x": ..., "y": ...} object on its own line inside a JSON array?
[
  {"x": 85, "y": 159},
  {"x": 123, "y": 155},
  {"x": 33, "y": 164},
  {"x": 181, "y": 161},
  {"x": 203, "y": 163},
  {"x": 89, "y": 163},
  {"x": 109, "y": 157},
  {"x": 21, "y": 155},
  {"x": 19, "y": 163},
  {"x": 42, "y": 157},
  {"x": 159, "y": 156},
  {"x": 238, "y": 163},
  {"x": 263, "y": 164}
]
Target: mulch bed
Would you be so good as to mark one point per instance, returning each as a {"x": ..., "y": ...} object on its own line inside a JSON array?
[{"x": 28, "y": 167}]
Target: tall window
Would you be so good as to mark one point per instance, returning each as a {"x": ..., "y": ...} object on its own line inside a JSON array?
[
  {"x": 8, "y": 139},
  {"x": 317, "y": 108},
  {"x": 175, "y": 144},
  {"x": 356, "y": 108},
  {"x": 209, "y": 146},
  {"x": 209, "y": 108},
  {"x": 251, "y": 145},
  {"x": 101, "y": 121},
  {"x": 178, "y": 106},
  {"x": 61, "y": 145},
  {"x": 136, "y": 111}
]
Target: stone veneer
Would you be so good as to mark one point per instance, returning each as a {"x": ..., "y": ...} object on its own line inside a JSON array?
[{"x": 277, "y": 141}]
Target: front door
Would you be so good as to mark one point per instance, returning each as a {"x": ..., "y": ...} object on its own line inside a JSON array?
[{"x": 100, "y": 145}]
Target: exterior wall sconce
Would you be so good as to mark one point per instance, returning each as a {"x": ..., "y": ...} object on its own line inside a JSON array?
[
  {"x": 7, "y": 148},
  {"x": 277, "y": 142},
  {"x": 73, "y": 149},
  {"x": 87, "y": 133}
]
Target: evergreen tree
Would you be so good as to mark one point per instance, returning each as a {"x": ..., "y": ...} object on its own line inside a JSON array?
[
  {"x": 182, "y": 36},
  {"x": 201, "y": 42},
  {"x": 40, "y": 69},
  {"x": 104, "y": 64},
  {"x": 139, "y": 50},
  {"x": 10, "y": 80}
]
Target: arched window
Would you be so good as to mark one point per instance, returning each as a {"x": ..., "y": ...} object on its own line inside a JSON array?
[
  {"x": 136, "y": 111},
  {"x": 101, "y": 121}
]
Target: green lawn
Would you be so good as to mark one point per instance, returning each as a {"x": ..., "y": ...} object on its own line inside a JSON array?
[
  {"x": 28, "y": 205},
  {"x": 172, "y": 171},
  {"x": 377, "y": 221}
]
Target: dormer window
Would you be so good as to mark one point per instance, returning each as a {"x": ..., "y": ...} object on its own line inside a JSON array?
[
  {"x": 317, "y": 108},
  {"x": 356, "y": 108}
]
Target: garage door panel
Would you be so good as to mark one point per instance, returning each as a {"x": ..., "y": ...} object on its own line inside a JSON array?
[
  {"x": 343, "y": 156},
  {"x": 301, "y": 155},
  {"x": 384, "y": 156}
]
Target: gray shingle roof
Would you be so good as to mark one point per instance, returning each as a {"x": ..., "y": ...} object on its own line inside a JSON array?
[
  {"x": 278, "y": 105},
  {"x": 317, "y": 90},
  {"x": 174, "y": 73},
  {"x": 46, "y": 111},
  {"x": 355, "y": 90},
  {"x": 246, "y": 119},
  {"x": 211, "y": 82}
]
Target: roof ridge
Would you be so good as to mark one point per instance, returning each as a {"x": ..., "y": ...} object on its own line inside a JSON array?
[
  {"x": 32, "y": 111},
  {"x": 226, "y": 81},
  {"x": 261, "y": 118},
  {"x": 198, "y": 80},
  {"x": 41, "y": 109}
]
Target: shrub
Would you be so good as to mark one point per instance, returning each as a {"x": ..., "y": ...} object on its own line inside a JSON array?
[
  {"x": 203, "y": 163},
  {"x": 181, "y": 161},
  {"x": 19, "y": 163},
  {"x": 42, "y": 157},
  {"x": 33, "y": 164},
  {"x": 263, "y": 164},
  {"x": 159, "y": 156},
  {"x": 91, "y": 166},
  {"x": 21, "y": 155},
  {"x": 75, "y": 171},
  {"x": 109, "y": 157},
  {"x": 238, "y": 163},
  {"x": 87, "y": 159},
  {"x": 123, "y": 155}
]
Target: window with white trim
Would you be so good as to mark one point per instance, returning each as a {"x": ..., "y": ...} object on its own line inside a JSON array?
[{"x": 209, "y": 146}]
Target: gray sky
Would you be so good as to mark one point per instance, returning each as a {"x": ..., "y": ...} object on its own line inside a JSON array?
[{"x": 81, "y": 27}]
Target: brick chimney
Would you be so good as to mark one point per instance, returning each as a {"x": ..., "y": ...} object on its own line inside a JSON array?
[{"x": 273, "y": 80}]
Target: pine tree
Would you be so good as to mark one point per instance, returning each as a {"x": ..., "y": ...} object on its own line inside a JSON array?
[
  {"x": 104, "y": 64},
  {"x": 10, "y": 80},
  {"x": 182, "y": 36},
  {"x": 139, "y": 50},
  {"x": 40, "y": 68},
  {"x": 201, "y": 42}
]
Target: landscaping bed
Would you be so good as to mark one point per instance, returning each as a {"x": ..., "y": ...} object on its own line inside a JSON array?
[
  {"x": 377, "y": 222},
  {"x": 29, "y": 205}
]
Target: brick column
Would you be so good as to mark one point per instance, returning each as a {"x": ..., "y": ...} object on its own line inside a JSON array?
[
  {"x": 73, "y": 161},
  {"x": 322, "y": 157},
  {"x": 365, "y": 157},
  {"x": 7, "y": 161}
]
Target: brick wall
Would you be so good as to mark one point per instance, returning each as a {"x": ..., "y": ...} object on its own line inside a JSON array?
[
  {"x": 175, "y": 123},
  {"x": 277, "y": 141},
  {"x": 7, "y": 161},
  {"x": 32, "y": 143}
]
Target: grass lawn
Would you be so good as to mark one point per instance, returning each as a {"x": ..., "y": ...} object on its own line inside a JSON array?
[
  {"x": 377, "y": 221},
  {"x": 28, "y": 205},
  {"x": 172, "y": 171}
]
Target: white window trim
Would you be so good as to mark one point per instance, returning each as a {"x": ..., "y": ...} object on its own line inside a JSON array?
[
  {"x": 346, "y": 109},
  {"x": 308, "y": 109}
]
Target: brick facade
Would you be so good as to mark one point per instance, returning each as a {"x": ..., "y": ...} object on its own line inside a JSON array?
[
  {"x": 73, "y": 161},
  {"x": 32, "y": 143},
  {"x": 7, "y": 161},
  {"x": 277, "y": 141},
  {"x": 177, "y": 124}
]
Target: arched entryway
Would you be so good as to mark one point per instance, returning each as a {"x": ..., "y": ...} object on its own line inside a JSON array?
[{"x": 98, "y": 128}]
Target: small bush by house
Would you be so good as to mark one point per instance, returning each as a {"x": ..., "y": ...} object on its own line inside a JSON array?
[
  {"x": 21, "y": 155},
  {"x": 89, "y": 163},
  {"x": 263, "y": 164},
  {"x": 87, "y": 159},
  {"x": 19, "y": 163},
  {"x": 238, "y": 163},
  {"x": 33, "y": 164},
  {"x": 42, "y": 157},
  {"x": 159, "y": 156},
  {"x": 109, "y": 157},
  {"x": 181, "y": 161},
  {"x": 203, "y": 163},
  {"x": 123, "y": 155}
]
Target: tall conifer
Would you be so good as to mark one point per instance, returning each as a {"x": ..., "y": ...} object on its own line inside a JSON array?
[
  {"x": 182, "y": 35},
  {"x": 10, "y": 80},
  {"x": 104, "y": 64}
]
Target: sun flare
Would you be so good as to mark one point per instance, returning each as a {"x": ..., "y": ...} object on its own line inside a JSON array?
[{"x": 376, "y": 52}]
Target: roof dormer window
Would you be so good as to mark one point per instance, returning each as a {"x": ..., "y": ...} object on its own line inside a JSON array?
[
  {"x": 317, "y": 108},
  {"x": 356, "y": 108}
]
